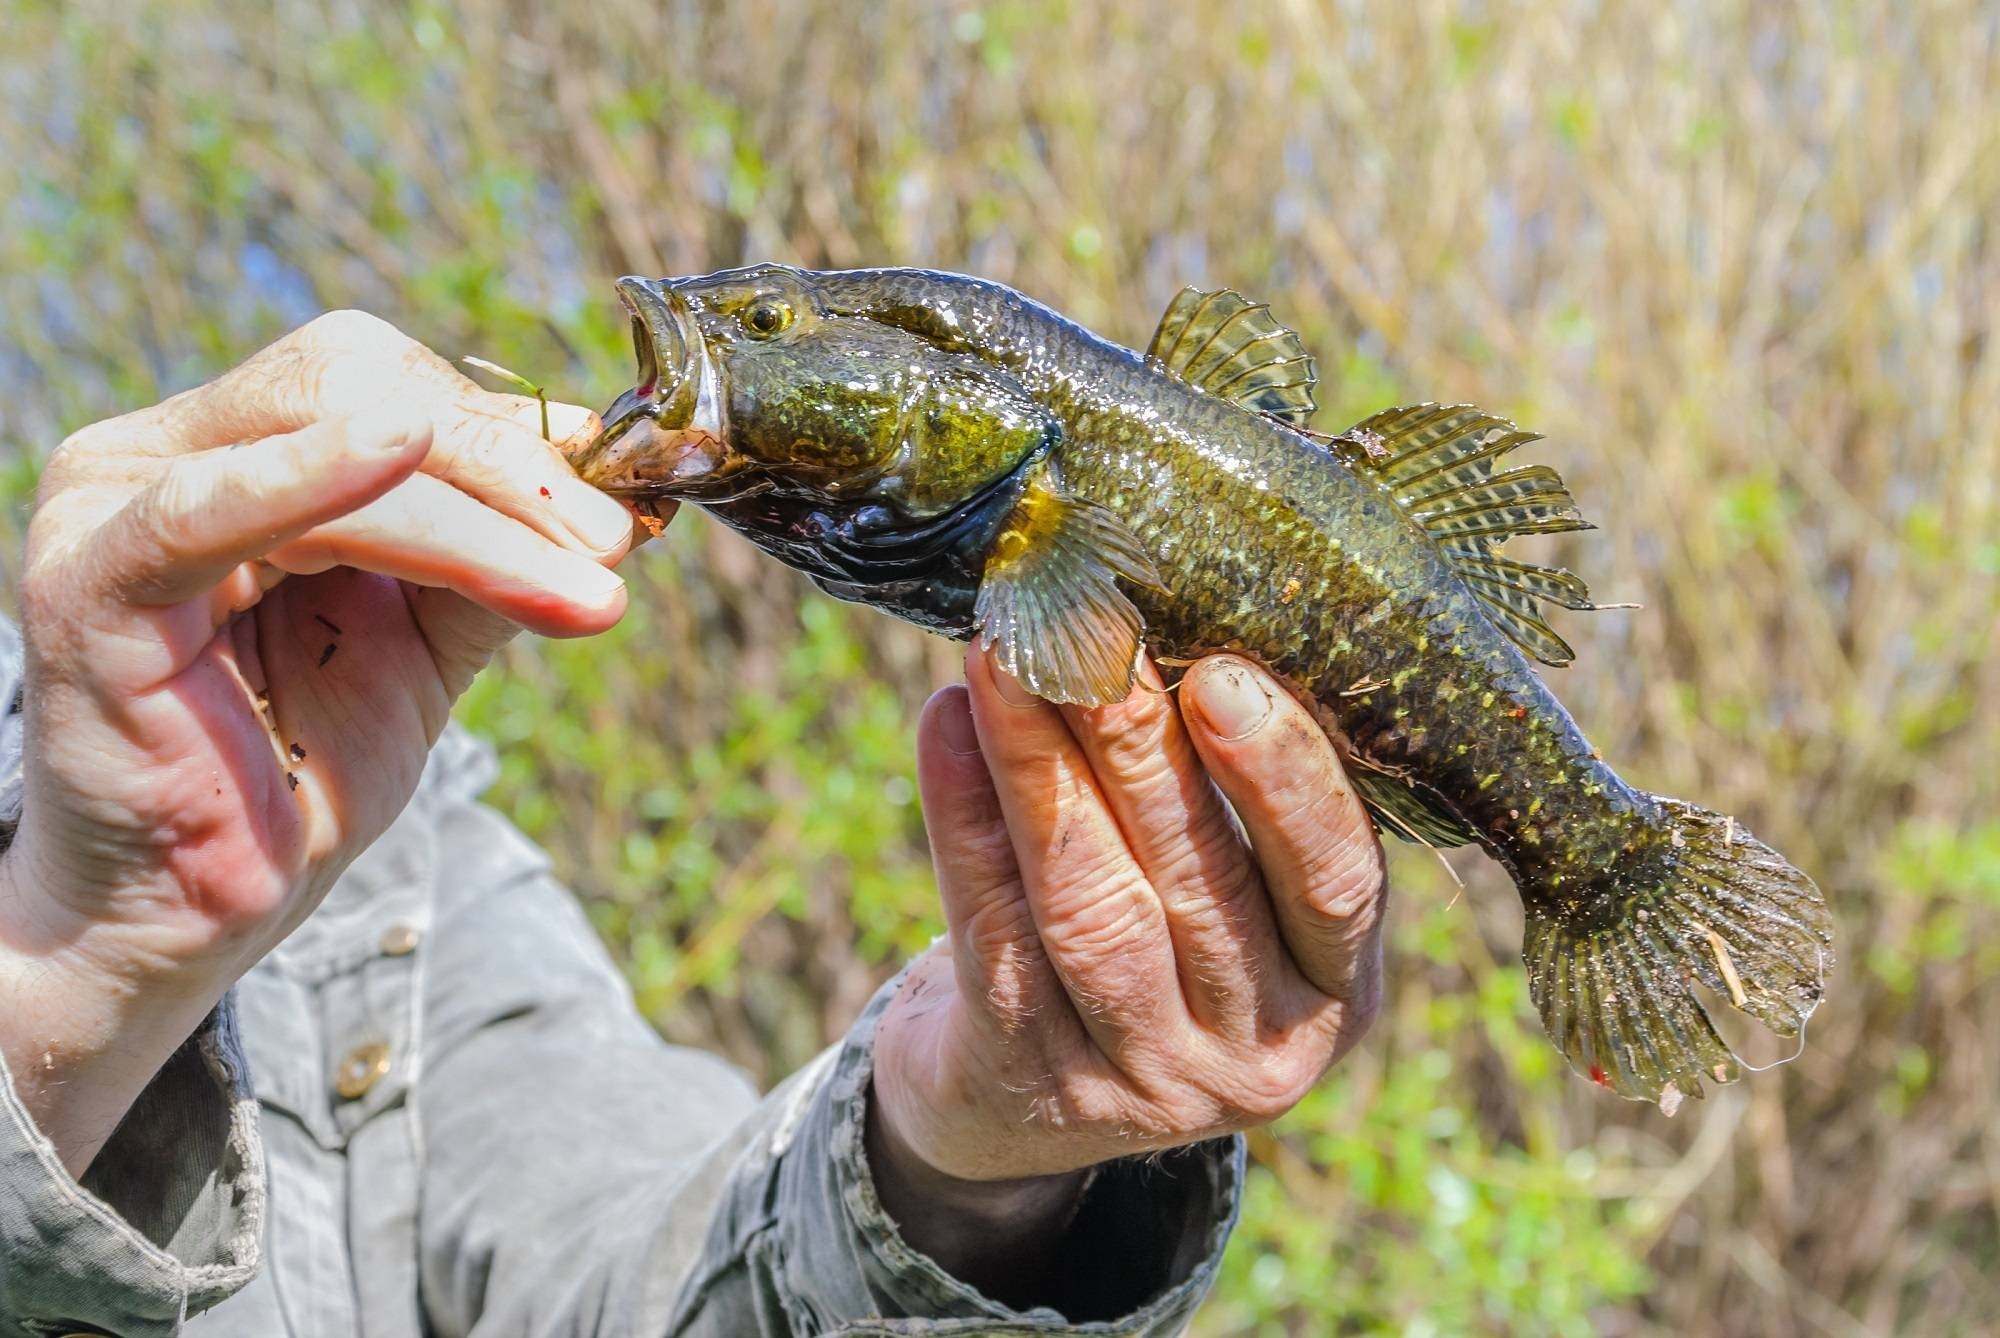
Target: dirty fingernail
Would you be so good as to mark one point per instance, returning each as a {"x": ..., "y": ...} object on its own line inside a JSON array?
[
  {"x": 1234, "y": 702},
  {"x": 955, "y": 723}
]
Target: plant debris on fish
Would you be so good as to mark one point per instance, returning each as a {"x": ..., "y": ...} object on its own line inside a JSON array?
[{"x": 949, "y": 450}]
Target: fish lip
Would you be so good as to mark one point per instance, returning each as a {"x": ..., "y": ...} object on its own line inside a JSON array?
[
  {"x": 668, "y": 345},
  {"x": 665, "y": 437}
]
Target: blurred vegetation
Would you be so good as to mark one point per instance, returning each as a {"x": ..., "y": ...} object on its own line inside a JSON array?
[{"x": 1736, "y": 259}]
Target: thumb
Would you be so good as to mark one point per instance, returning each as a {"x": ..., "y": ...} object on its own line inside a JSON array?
[
  {"x": 463, "y": 636},
  {"x": 215, "y": 509}
]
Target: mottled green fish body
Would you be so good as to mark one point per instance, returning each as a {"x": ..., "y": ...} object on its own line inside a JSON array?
[{"x": 949, "y": 450}]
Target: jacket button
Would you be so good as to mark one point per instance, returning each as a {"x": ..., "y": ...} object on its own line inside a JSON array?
[
  {"x": 361, "y": 1070},
  {"x": 400, "y": 940}
]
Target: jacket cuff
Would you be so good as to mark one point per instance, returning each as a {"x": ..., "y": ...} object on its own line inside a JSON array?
[
  {"x": 1148, "y": 1237},
  {"x": 167, "y": 1221}
]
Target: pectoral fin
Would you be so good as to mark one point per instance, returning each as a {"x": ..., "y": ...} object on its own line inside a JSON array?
[{"x": 1050, "y": 605}]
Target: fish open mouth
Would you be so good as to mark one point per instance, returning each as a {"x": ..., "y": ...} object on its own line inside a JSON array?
[{"x": 665, "y": 436}]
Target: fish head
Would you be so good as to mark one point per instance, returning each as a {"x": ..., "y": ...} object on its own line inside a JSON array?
[{"x": 758, "y": 381}]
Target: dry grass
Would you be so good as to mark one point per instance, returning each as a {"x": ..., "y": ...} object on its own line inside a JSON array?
[{"x": 1734, "y": 259}]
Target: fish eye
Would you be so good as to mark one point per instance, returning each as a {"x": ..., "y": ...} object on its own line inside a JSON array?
[{"x": 767, "y": 317}]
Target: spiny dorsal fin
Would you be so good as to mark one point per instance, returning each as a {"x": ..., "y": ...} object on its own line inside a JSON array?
[
  {"x": 1049, "y": 602},
  {"x": 1441, "y": 464},
  {"x": 1233, "y": 348}
]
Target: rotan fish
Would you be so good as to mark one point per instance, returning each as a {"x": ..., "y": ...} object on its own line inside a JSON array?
[{"x": 946, "y": 449}]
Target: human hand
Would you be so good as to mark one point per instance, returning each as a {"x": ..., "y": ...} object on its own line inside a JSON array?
[
  {"x": 1122, "y": 972},
  {"x": 248, "y": 611}
]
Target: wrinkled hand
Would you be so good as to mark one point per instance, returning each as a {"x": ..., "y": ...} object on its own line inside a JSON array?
[
  {"x": 1123, "y": 971},
  {"x": 248, "y": 611}
]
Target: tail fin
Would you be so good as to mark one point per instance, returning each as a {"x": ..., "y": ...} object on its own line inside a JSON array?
[{"x": 1707, "y": 903}]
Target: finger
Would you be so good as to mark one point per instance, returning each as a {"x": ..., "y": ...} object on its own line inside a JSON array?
[
  {"x": 348, "y": 362},
  {"x": 462, "y": 636},
  {"x": 1312, "y": 837},
  {"x": 1101, "y": 925},
  {"x": 427, "y": 532},
  {"x": 491, "y": 447},
  {"x": 208, "y": 512},
  {"x": 338, "y": 363},
  {"x": 1175, "y": 824},
  {"x": 1003, "y": 972}
]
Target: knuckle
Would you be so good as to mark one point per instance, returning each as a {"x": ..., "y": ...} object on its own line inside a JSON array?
[
  {"x": 43, "y": 598},
  {"x": 1129, "y": 735},
  {"x": 71, "y": 461},
  {"x": 350, "y": 331},
  {"x": 999, "y": 926},
  {"x": 985, "y": 851},
  {"x": 1081, "y": 1099},
  {"x": 1269, "y": 1084},
  {"x": 1109, "y": 926},
  {"x": 1211, "y": 871},
  {"x": 180, "y": 498},
  {"x": 1346, "y": 881}
]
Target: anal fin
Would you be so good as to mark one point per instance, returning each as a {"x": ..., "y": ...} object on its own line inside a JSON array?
[{"x": 1398, "y": 808}]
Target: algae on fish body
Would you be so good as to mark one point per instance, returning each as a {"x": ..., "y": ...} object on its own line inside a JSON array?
[{"x": 949, "y": 450}]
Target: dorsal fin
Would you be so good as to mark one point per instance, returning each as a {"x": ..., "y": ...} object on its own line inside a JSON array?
[
  {"x": 1233, "y": 348},
  {"x": 1441, "y": 464}
]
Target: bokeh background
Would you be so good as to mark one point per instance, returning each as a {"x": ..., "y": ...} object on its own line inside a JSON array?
[{"x": 1735, "y": 258}]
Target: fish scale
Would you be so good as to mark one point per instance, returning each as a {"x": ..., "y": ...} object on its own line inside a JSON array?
[{"x": 951, "y": 451}]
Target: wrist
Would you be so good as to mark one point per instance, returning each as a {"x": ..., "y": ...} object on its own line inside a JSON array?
[
  {"x": 1001, "y": 1236},
  {"x": 85, "y": 1020}
]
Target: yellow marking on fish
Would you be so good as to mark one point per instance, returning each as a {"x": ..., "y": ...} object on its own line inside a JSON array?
[
  {"x": 1291, "y": 591},
  {"x": 1035, "y": 517}
]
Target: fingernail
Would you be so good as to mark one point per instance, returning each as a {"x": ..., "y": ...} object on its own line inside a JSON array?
[
  {"x": 591, "y": 516},
  {"x": 1009, "y": 687},
  {"x": 955, "y": 723},
  {"x": 1233, "y": 702},
  {"x": 592, "y": 584},
  {"x": 571, "y": 420}
]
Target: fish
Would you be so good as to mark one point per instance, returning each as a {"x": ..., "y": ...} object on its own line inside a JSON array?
[{"x": 953, "y": 452}]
